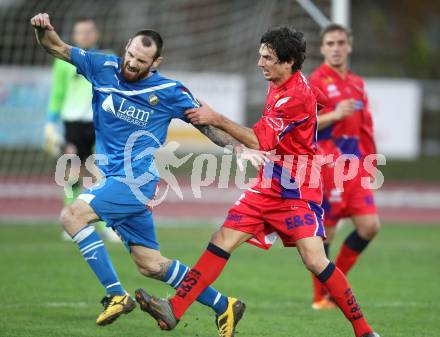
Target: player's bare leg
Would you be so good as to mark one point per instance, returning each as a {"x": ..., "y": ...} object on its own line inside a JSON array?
[
  {"x": 366, "y": 228},
  {"x": 76, "y": 216},
  {"x": 73, "y": 179},
  {"x": 75, "y": 219},
  {"x": 150, "y": 262},
  {"x": 210, "y": 265},
  {"x": 313, "y": 255}
]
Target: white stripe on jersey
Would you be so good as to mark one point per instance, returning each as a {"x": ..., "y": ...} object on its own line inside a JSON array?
[
  {"x": 316, "y": 219},
  {"x": 137, "y": 92},
  {"x": 111, "y": 63},
  {"x": 87, "y": 197},
  {"x": 196, "y": 104}
]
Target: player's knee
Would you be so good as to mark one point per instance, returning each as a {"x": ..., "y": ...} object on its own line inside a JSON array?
[
  {"x": 218, "y": 238},
  {"x": 73, "y": 218},
  {"x": 314, "y": 263},
  {"x": 369, "y": 229},
  {"x": 66, "y": 217}
]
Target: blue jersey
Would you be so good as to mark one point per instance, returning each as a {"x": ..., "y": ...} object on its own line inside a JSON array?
[{"x": 131, "y": 119}]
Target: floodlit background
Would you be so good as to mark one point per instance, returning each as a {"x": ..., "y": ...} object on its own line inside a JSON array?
[{"x": 212, "y": 47}]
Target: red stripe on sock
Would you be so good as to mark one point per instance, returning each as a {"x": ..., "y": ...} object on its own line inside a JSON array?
[
  {"x": 347, "y": 257},
  {"x": 202, "y": 275},
  {"x": 340, "y": 290}
]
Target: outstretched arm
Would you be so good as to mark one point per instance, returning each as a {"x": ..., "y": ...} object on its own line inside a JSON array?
[
  {"x": 48, "y": 38},
  {"x": 219, "y": 137},
  {"x": 243, "y": 154},
  {"x": 205, "y": 115}
]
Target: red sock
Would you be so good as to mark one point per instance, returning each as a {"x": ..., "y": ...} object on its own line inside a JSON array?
[
  {"x": 340, "y": 290},
  {"x": 319, "y": 290},
  {"x": 202, "y": 275},
  {"x": 346, "y": 258},
  {"x": 353, "y": 246}
]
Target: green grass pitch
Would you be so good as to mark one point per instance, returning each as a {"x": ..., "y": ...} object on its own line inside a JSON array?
[{"x": 47, "y": 289}]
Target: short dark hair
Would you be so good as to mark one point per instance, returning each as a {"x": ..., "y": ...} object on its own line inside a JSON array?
[
  {"x": 84, "y": 19},
  {"x": 149, "y": 37},
  {"x": 335, "y": 27},
  {"x": 288, "y": 44}
]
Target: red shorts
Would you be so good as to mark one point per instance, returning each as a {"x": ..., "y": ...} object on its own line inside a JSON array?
[
  {"x": 353, "y": 200},
  {"x": 268, "y": 218}
]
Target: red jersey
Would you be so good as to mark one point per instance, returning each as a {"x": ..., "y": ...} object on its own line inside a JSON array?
[
  {"x": 289, "y": 128},
  {"x": 353, "y": 134}
]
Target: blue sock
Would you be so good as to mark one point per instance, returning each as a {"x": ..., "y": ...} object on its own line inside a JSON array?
[
  {"x": 94, "y": 252},
  {"x": 209, "y": 297}
]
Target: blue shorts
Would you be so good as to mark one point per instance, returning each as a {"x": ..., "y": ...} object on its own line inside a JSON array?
[{"x": 116, "y": 204}]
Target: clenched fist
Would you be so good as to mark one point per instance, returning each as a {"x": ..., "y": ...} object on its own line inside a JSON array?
[{"x": 41, "y": 21}]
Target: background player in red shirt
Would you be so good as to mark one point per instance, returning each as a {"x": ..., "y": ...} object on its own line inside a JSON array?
[
  {"x": 345, "y": 128},
  {"x": 283, "y": 208}
]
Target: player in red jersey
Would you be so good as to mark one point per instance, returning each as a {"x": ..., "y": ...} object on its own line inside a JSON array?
[
  {"x": 345, "y": 128},
  {"x": 284, "y": 202}
]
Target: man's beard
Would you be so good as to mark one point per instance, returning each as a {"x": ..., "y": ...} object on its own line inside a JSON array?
[{"x": 135, "y": 76}]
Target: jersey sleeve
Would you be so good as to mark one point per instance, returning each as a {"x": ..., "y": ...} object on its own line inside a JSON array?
[
  {"x": 322, "y": 101},
  {"x": 290, "y": 112},
  {"x": 86, "y": 62},
  {"x": 58, "y": 90},
  {"x": 315, "y": 80},
  {"x": 184, "y": 100},
  {"x": 368, "y": 145}
]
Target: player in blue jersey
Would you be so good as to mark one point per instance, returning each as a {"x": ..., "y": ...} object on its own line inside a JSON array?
[{"x": 133, "y": 105}]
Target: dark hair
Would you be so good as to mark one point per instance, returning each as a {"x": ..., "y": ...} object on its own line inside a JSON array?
[
  {"x": 84, "y": 19},
  {"x": 288, "y": 44},
  {"x": 335, "y": 27},
  {"x": 148, "y": 38}
]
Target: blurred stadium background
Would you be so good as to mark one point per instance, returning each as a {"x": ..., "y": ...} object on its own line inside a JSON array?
[{"x": 211, "y": 46}]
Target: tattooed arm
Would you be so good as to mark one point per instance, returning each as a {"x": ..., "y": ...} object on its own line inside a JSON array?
[
  {"x": 247, "y": 149},
  {"x": 205, "y": 115},
  {"x": 223, "y": 139},
  {"x": 48, "y": 38},
  {"x": 219, "y": 137}
]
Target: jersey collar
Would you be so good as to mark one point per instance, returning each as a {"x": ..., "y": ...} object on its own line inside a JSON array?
[
  {"x": 287, "y": 83},
  {"x": 329, "y": 71}
]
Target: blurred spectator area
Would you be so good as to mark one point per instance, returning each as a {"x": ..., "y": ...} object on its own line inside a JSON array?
[{"x": 395, "y": 40}]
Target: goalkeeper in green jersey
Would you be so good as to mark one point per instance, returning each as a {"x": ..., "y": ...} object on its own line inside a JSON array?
[{"x": 71, "y": 102}]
